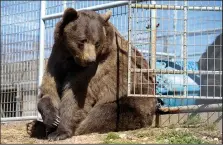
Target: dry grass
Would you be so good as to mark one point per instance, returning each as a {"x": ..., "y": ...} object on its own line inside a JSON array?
[
  {"x": 16, "y": 133},
  {"x": 12, "y": 133}
]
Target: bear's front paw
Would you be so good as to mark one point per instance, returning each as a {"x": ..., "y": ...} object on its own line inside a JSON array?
[
  {"x": 36, "y": 129},
  {"x": 58, "y": 135},
  {"x": 49, "y": 112}
]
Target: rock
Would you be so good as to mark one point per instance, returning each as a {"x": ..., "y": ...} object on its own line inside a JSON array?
[
  {"x": 204, "y": 137},
  {"x": 146, "y": 138},
  {"x": 177, "y": 129},
  {"x": 123, "y": 136},
  {"x": 215, "y": 139},
  {"x": 166, "y": 140}
]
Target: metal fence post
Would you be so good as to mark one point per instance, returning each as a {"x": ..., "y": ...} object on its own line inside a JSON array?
[
  {"x": 41, "y": 42},
  {"x": 64, "y": 5},
  {"x": 18, "y": 100},
  {"x": 41, "y": 45},
  {"x": 185, "y": 49},
  {"x": 153, "y": 52},
  {"x": 129, "y": 47}
]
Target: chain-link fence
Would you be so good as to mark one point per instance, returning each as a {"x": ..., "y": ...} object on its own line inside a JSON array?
[{"x": 181, "y": 40}]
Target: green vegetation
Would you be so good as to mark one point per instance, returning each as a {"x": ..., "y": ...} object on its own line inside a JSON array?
[
  {"x": 179, "y": 137},
  {"x": 193, "y": 120},
  {"x": 112, "y": 135},
  {"x": 113, "y": 138},
  {"x": 120, "y": 142},
  {"x": 172, "y": 126},
  {"x": 210, "y": 127},
  {"x": 145, "y": 134}
]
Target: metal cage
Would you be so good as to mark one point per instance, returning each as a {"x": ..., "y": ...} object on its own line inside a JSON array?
[{"x": 181, "y": 40}]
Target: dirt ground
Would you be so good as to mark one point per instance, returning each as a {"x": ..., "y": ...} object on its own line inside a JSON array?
[{"x": 15, "y": 132}]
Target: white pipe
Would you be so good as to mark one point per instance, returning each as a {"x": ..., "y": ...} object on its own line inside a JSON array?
[
  {"x": 175, "y": 29},
  {"x": 94, "y": 8},
  {"x": 166, "y": 71},
  {"x": 41, "y": 42},
  {"x": 176, "y": 96},
  {"x": 172, "y": 7},
  {"x": 153, "y": 36},
  {"x": 41, "y": 46},
  {"x": 18, "y": 118},
  {"x": 185, "y": 48},
  {"x": 191, "y": 109},
  {"x": 64, "y": 5},
  {"x": 129, "y": 47}
]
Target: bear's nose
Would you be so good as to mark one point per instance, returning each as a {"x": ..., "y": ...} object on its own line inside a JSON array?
[{"x": 91, "y": 59}]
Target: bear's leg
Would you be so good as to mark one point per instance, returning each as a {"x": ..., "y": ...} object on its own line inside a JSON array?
[
  {"x": 134, "y": 113},
  {"x": 49, "y": 112},
  {"x": 70, "y": 117},
  {"x": 101, "y": 119},
  {"x": 50, "y": 116}
]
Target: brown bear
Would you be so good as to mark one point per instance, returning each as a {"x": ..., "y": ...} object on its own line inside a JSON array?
[{"x": 84, "y": 87}]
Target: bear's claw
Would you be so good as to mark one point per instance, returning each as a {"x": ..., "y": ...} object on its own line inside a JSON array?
[
  {"x": 49, "y": 112},
  {"x": 56, "y": 121}
]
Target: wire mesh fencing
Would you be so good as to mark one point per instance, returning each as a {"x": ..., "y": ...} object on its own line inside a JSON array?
[
  {"x": 19, "y": 54},
  {"x": 182, "y": 40}
]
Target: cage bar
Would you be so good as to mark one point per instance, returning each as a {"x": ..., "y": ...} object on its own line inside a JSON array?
[
  {"x": 153, "y": 37},
  {"x": 172, "y": 7},
  {"x": 177, "y": 96},
  {"x": 129, "y": 45},
  {"x": 94, "y": 8},
  {"x": 18, "y": 118},
  {"x": 41, "y": 42},
  {"x": 191, "y": 109},
  {"x": 185, "y": 49},
  {"x": 41, "y": 47},
  {"x": 165, "y": 71}
]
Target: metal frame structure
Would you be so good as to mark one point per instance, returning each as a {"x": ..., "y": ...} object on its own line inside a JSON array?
[
  {"x": 170, "y": 110},
  {"x": 153, "y": 6}
]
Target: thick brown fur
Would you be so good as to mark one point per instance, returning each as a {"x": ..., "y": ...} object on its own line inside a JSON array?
[{"x": 85, "y": 82}]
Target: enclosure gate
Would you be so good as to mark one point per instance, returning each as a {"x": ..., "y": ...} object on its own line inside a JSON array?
[
  {"x": 147, "y": 27},
  {"x": 144, "y": 25}
]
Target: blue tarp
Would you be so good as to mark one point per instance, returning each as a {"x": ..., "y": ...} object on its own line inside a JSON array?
[{"x": 172, "y": 84}]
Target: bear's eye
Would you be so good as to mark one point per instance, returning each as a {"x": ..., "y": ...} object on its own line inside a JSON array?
[
  {"x": 83, "y": 41},
  {"x": 97, "y": 44}
]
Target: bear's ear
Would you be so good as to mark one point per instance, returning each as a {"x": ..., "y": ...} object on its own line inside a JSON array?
[
  {"x": 69, "y": 15},
  {"x": 106, "y": 16}
]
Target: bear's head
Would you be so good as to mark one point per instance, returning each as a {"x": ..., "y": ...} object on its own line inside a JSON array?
[{"x": 86, "y": 35}]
